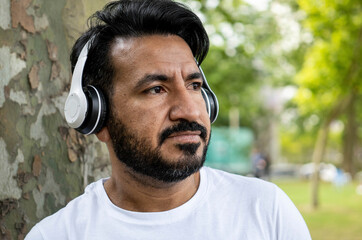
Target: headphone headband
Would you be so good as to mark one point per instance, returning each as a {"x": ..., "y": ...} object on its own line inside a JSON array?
[{"x": 76, "y": 105}]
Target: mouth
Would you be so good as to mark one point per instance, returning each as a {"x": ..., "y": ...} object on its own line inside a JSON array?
[
  {"x": 183, "y": 133},
  {"x": 185, "y": 137}
]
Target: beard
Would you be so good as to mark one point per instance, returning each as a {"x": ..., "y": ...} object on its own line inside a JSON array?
[{"x": 138, "y": 155}]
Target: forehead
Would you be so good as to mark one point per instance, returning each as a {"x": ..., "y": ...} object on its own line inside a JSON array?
[{"x": 151, "y": 53}]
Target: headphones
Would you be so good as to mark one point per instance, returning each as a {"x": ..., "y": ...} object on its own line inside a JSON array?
[{"x": 85, "y": 108}]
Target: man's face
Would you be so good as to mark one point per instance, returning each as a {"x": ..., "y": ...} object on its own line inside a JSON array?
[{"x": 158, "y": 123}]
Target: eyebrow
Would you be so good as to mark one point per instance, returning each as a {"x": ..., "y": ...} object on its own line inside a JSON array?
[
  {"x": 163, "y": 78},
  {"x": 151, "y": 78},
  {"x": 195, "y": 75}
]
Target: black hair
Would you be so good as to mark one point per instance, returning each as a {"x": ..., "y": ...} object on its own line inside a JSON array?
[{"x": 135, "y": 18}]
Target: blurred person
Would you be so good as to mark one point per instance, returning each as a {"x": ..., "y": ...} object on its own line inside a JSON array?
[
  {"x": 340, "y": 179},
  {"x": 146, "y": 98},
  {"x": 260, "y": 164}
]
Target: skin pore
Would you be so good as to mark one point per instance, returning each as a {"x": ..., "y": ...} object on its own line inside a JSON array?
[{"x": 156, "y": 86}]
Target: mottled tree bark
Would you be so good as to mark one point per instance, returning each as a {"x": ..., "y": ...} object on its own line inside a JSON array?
[{"x": 43, "y": 163}]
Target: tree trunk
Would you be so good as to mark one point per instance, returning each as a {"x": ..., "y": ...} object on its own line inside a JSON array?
[
  {"x": 321, "y": 144},
  {"x": 43, "y": 163},
  {"x": 350, "y": 137},
  {"x": 317, "y": 158}
]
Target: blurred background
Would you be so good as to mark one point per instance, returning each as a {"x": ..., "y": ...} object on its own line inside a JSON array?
[{"x": 287, "y": 75}]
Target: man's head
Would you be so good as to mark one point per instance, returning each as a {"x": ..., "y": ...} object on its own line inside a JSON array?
[
  {"x": 142, "y": 57},
  {"x": 130, "y": 19}
]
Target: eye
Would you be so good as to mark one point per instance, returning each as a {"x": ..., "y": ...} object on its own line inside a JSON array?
[
  {"x": 155, "y": 90},
  {"x": 196, "y": 85}
]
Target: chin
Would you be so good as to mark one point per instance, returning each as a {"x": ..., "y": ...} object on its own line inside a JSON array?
[{"x": 183, "y": 151}]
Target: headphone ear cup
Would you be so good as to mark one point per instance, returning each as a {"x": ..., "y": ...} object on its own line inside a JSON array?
[
  {"x": 210, "y": 103},
  {"x": 102, "y": 112},
  {"x": 96, "y": 112}
]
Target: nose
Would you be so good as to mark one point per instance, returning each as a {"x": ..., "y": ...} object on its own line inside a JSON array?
[{"x": 185, "y": 105}]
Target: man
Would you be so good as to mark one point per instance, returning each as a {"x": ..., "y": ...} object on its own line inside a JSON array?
[{"x": 141, "y": 55}]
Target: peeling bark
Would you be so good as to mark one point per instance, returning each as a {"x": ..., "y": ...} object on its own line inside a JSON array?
[
  {"x": 34, "y": 77},
  {"x": 37, "y": 166},
  {"x": 20, "y": 16}
]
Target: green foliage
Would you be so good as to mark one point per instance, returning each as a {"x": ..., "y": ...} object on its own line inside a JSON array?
[
  {"x": 297, "y": 148},
  {"x": 330, "y": 70},
  {"x": 298, "y": 145}
]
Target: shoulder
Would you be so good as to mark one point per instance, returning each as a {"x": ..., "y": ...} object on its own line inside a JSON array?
[
  {"x": 76, "y": 211},
  {"x": 221, "y": 180},
  {"x": 264, "y": 203},
  {"x": 245, "y": 193},
  {"x": 78, "y": 204}
]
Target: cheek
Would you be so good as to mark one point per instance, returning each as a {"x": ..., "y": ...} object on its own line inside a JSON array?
[{"x": 143, "y": 121}]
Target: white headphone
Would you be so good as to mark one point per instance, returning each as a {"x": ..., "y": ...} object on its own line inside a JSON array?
[{"x": 85, "y": 108}]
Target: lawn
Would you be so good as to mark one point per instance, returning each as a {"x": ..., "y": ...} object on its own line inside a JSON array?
[{"x": 339, "y": 216}]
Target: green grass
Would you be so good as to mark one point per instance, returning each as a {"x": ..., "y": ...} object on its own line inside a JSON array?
[{"x": 339, "y": 216}]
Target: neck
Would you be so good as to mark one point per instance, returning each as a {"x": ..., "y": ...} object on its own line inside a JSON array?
[{"x": 134, "y": 192}]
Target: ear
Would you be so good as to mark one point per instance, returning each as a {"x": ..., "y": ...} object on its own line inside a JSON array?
[{"x": 103, "y": 135}]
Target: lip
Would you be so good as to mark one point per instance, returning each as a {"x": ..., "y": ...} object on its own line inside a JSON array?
[{"x": 185, "y": 137}]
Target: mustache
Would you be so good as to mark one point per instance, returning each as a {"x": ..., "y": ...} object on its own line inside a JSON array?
[{"x": 182, "y": 127}]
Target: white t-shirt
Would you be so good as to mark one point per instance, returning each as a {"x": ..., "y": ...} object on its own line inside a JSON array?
[{"x": 226, "y": 206}]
